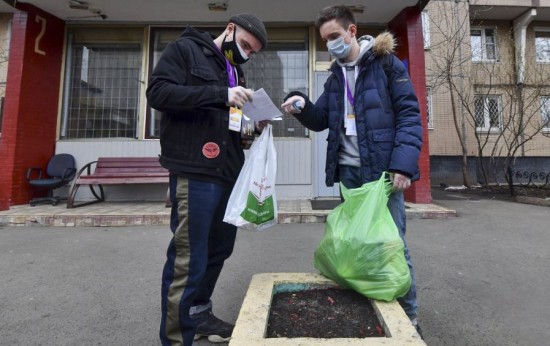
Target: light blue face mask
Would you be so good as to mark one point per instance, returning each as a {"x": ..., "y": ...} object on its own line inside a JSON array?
[{"x": 338, "y": 48}]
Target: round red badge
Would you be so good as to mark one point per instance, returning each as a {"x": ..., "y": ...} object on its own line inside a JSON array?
[{"x": 211, "y": 150}]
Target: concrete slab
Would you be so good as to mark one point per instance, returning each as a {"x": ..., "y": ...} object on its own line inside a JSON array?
[
  {"x": 251, "y": 325},
  {"x": 115, "y": 214}
]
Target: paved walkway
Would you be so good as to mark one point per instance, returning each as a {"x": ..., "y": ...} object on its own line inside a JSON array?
[
  {"x": 482, "y": 277},
  {"x": 155, "y": 213}
]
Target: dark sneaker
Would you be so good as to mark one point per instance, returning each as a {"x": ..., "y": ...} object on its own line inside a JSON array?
[
  {"x": 212, "y": 327},
  {"x": 417, "y": 327}
]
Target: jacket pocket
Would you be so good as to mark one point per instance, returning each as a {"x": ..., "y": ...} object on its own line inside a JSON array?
[
  {"x": 383, "y": 142},
  {"x": 203, "y": 74}
]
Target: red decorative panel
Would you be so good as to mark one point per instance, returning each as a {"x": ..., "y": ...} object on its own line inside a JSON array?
[
  {"x": 31, "y": 101},
  {"x": 407, "y": 27}
]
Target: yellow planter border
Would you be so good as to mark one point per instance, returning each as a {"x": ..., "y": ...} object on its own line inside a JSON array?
[{"x": 251, "y": 325}]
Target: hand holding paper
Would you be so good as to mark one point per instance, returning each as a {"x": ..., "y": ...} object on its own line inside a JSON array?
[{"x": 261, "y": 108}]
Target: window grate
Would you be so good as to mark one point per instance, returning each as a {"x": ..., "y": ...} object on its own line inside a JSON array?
[
  {"x": 279, "y": 70},
  {"x": 426, "y": 29},
  {"x": 429, "y": 108},
  {"x": 104, "y": 91},
  {"x": 542, "y": 46},
  {"x": 545, "y": 113},
  {"x": 488, "y": 113}
]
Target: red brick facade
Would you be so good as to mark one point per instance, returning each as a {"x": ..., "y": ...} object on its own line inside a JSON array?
[
  {"x": 34, "y": 84},
  {"x": 31, "y": 101},
  {"x": 407, "y": 27}
]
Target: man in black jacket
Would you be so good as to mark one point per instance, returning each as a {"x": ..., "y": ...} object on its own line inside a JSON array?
[{"x": 199, "y": 88}]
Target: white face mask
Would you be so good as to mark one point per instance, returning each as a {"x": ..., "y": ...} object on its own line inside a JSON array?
[{"x": 338, "y": 48}]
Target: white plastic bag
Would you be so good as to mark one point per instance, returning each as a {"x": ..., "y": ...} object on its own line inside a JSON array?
[{"x": 252, "y": 203}]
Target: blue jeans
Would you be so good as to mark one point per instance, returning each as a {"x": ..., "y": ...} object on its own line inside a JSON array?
[
  {"x": 351, "y": 178},
  {"x": 195, "y": 255}
]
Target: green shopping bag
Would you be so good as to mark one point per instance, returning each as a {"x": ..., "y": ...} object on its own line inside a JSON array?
[
  {"x": 258, "y": 211},
  {"x": 361, "y": 248}
]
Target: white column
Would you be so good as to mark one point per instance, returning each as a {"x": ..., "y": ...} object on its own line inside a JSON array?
[{"x": 520, "y": 33}]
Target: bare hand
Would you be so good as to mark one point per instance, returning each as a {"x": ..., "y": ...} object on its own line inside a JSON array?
[
  {"x": 288, "y": 105},
  {"x": 260, "y": 125},
  {"x": 400, "y": 182},
  {"x": 238, "y": 96}
]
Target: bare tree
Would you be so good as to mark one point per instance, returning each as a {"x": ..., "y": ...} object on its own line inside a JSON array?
[
  {"x": 449, "y": 60},
  {"x": 488, "y": 100}
]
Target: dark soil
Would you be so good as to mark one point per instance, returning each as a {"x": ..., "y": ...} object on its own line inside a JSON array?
[
  {"x": 322, "y": 313},
  {"x": 502, "y": 192}
]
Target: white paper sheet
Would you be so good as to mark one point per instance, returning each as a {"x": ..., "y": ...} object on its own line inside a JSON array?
[{"x": 261, "y": 107}]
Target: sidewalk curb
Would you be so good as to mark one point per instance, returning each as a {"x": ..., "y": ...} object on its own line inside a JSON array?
[{"x": 155, "y": 214}]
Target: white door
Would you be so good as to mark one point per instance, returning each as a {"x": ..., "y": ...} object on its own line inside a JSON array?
[{"x": 320, "y": 147}]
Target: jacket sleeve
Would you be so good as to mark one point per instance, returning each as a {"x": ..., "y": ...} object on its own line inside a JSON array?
[
  {"x": 408, "y": 126},
  {"x": 314, "y": 116},
  {"x": 168, "y": 89}
]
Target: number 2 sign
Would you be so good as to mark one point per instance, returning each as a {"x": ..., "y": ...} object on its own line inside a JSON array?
[{"x": 38, "y": 38}]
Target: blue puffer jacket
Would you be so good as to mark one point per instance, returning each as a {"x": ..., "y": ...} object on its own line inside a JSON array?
[{"x": 388, "y": 122}]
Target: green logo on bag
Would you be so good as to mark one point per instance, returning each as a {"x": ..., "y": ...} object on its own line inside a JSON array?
[{"x": 257, "y": 212}]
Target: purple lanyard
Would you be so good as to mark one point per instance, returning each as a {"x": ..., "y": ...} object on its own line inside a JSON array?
[
  {"x": 231, "y": 74},
  {"x": 348, "y": 90},
  {"x": 350, "y": 96}
]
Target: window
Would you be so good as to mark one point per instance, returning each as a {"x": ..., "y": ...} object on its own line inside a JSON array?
[
  {"x": 160, "y": 37},
  {"x": 429, "y": 109},
  {"x": 484, "y": 47},
  {"x": 280, "y": 68},
  {"x": 426, "y": 29},
  {"x": 488, "y": 113},
  {"x": 545, "y": 113},
  {"x": 7, "y": 41},
  {"x": 102, "y": 86},
  {"x": 542, "y": 45},
  {"x": 1, "y": 113}
]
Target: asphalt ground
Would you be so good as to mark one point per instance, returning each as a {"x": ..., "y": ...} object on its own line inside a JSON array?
[{"x": 482, "y": 277}]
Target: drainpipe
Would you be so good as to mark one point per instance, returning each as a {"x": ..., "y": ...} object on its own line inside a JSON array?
[
  {"x": 520, "y": 39},
  {"x": 67, "y": 86}
]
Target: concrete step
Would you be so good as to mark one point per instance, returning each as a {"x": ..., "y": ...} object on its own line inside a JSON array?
[{"x": 108, "y": 214}]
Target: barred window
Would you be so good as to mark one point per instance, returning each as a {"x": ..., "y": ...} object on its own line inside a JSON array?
[
  {"x": 484, "y": 46},
  {"x": 1, "y": 113},
  {"x": 542, "y": 45},
  {"x": 280, "y": 69},
  {"x": 160, "y": 38},
  {"x": 488, "y": 113},
  {"x": 426, "y": 29},
  {"x": 545, "y": 113},
  {"x": 429, "y": 109},
  {"x": 102, "y": 90}
]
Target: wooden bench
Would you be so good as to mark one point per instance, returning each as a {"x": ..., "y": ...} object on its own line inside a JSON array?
[{"x": 117, "y": 171}]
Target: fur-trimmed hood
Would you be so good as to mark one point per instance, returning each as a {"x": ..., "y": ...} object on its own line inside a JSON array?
[{"x": 383, "y": 44}]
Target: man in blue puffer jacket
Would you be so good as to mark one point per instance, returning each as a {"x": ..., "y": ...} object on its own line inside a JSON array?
[{"x": 373, "y": 117}]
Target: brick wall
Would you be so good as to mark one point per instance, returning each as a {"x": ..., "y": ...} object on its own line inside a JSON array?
[
  {"x": 407, "y": 27},
  {"x": 31, "y": 103}
]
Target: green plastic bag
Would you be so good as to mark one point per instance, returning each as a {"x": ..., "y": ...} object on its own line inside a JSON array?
[{"x": 362, "y": 249}]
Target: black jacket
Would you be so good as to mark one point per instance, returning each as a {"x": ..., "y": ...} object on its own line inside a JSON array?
[{"x": 189, "y": 86}]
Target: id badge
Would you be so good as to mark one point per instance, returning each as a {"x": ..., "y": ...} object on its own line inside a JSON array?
[
  {"x": 351, "y": 129},
  {"x": 235, "y": 119}
]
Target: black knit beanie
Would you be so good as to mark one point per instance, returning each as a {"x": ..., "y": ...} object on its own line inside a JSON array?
[{"x": 252, "y": 24}]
